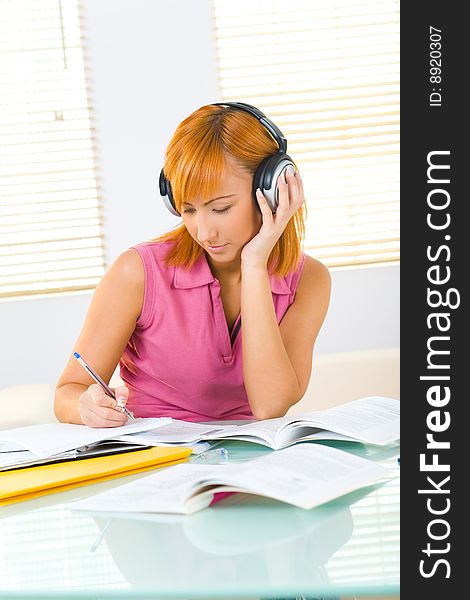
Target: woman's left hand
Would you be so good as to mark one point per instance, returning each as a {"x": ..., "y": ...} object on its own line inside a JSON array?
[{"x": 291, "y": 197}]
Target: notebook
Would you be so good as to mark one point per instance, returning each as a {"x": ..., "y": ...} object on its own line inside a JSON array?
[{"x": 31, "y": 482}]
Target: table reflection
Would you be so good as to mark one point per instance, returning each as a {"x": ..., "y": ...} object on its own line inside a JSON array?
[{"x": 243, "y": 538}]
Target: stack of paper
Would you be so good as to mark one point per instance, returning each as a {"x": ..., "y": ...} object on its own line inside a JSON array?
[
  {"x": 53, "y": 438},
  {"x": 41, "y": 444}
]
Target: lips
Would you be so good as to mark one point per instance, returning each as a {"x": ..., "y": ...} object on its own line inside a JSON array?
[{"x": 214, "y": 247}]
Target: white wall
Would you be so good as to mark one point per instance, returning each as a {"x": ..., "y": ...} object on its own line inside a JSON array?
[{"x": 152, "y": 63}]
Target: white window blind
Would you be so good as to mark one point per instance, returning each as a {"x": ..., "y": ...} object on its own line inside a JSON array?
[
  {"x": 327, "y": 73},
  {"x": 50, "y": 223}
]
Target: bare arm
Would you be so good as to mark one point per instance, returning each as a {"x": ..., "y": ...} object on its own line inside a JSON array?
[
  {"x": 110, "y": 322},
  {"x": 277, "y": 359}
]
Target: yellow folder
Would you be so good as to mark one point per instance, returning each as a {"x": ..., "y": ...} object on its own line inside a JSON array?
[{"x": 31, "y": 482}]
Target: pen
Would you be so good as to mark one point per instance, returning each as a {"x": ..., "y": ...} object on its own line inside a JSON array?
[
  {"x": 218, "y": 455},
  {"x": 97, "y": 542},
  {"x": 98, "y": 379}
]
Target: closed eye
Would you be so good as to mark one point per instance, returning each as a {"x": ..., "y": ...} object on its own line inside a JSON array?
[{"x": 219, "y": 211}]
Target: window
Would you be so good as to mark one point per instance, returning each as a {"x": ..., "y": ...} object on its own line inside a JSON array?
[
  {"x": 50, "y": 223},
  {"x": 327, "y": 73}
]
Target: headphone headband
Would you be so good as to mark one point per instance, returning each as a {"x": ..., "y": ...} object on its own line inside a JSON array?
[{"x": 262, "y": 118}]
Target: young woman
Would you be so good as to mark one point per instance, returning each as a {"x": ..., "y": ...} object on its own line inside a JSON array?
[{"x": 216, "y": 319}]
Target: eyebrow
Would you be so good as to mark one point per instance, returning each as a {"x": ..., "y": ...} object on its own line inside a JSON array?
[{"x": 213, "y": 200}]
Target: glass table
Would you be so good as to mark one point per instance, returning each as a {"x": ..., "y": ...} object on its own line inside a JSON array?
[{"x": 242, "y": 547}]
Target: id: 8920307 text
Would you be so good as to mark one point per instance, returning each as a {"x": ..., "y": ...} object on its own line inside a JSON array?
[{"x": 435, "y": 66}]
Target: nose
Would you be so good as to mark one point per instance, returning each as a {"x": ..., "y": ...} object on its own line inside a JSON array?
[{"x": 206, "y": 231}]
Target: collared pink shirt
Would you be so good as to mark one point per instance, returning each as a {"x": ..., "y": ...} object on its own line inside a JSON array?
[{"x": 180, "y": 361}]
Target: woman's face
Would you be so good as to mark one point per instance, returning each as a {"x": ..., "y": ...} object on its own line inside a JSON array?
[{"x": 231, "y": 220}]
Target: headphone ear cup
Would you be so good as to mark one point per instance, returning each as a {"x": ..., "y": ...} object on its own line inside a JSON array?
[
  {"x": 266, "y": 177},
  {"x": 166, "y": 194}
]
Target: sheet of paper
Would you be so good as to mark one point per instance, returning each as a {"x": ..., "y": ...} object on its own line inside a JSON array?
[
  {"x": 197, "y": 447},
  {"x": 175, "y": 432},
  {"x": 52, "y": 438},
  {"x": 263, "y": 430},
  {"x": 9, "y": 447},
  {"x": 25, "y": 458},
  {"x": 162, "y": 494},
  {"x": 374, "y": 419},
  {"x": 306, "y": 475},
  {"x": 327, "y": 435}
]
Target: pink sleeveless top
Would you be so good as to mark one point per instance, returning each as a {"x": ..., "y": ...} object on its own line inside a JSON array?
[{"x": 182, "y": 361}]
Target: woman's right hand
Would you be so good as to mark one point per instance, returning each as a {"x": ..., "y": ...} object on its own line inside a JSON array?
[{"x": 99, "y": 410}]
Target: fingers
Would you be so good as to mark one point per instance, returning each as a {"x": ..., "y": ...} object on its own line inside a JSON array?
[
  {"x": 96, "y": 395},
  {"x": 290, "y": 195},
  {"x": 122, "y": 391},
  {"x": 122, "y": 394},
  {"x": 300, "y": 183},
  {"x": 294, "y": 184},
  {"x": 106, "y": 417},
  {"x": 97, "y": 409},
  {"x": 102, "y": 417},
  {"x": 283, "y": 187},
  {"x": 264, "y": 207}
]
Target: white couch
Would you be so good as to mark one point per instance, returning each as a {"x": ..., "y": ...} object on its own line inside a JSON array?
[
  {"x": 336, "y": 378},
  {"x": 344, "y": 376}
]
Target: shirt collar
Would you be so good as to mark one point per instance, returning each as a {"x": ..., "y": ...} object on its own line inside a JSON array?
[
  {"x": 198, "y": 274},
  {"x": 201, "y": 274}
]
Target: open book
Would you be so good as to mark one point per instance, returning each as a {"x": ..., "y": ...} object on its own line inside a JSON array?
[
  {"x": 304, "y": 476},
  {"x": 372, "y": 420}
]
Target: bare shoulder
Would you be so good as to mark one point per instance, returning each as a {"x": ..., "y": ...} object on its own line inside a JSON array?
[
  {"x": 128, "y": 267},
  {"x": 315, "y": 278},
  {"x": 122, "y": 286}
]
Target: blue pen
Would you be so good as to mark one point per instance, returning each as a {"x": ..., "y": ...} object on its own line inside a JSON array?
[
  {"x": 216, "y": 455},
  {"x": 98, "y": 379}
]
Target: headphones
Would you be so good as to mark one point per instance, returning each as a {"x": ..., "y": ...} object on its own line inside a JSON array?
[{"x": 267, "y": 172}]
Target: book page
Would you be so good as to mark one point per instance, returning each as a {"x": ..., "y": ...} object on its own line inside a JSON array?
[
  {"x": 175, "y": 432},
  {"x": 261, "y": 431},
  {"x": 164, "y": 491},
  {"x": 305, "y": 476},
  {"x": 197, "y": 447},
  {"x": 374, "y": 420},
  {"x": 307, "y": 435},
  {"x": 53, "y": 438}
]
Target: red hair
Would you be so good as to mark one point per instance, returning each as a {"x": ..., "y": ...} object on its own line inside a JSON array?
[{"x": 194, "y": 163}]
